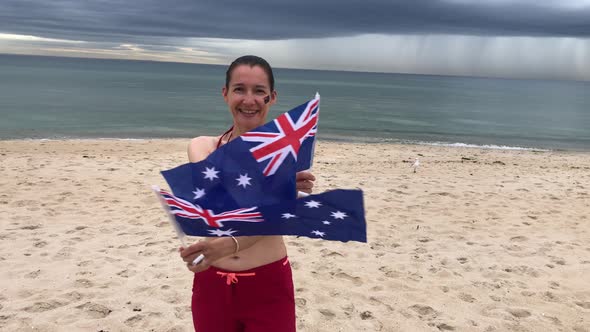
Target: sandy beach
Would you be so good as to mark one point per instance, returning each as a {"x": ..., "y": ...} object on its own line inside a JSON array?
[{"x": 475, "y": 240}]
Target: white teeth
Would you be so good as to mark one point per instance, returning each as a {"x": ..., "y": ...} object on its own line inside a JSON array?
[{"x": 248, "y": 112}]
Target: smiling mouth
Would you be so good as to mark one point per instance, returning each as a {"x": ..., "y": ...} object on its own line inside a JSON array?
[{"x": 249, "y": 113}]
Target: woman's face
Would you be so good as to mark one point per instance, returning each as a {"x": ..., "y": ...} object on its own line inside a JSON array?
[{"x": 249, "y": 96}]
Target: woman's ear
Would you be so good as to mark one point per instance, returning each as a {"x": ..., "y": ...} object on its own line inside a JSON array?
[
  {"x": 273, "y": 97},
  {"x": 224, "y": 93}
]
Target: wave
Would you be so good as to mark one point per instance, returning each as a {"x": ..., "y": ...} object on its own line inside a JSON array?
[{"x": 484, "y": 146}]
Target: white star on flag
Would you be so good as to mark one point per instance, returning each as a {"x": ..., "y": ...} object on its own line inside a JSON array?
[
  {"x": 220, "y": 232},
  {"x": 313, "y": 204},
  {"x": 338, "y": 215},
  {"x": 318, "y": 233},
  {"x": 199, "y": 193},
  {"x": 244, "y": 180},
  {"x": 210, "y": 173},
  {"x": 326, "y": 222},
  {"x": 288, "y": 216}
]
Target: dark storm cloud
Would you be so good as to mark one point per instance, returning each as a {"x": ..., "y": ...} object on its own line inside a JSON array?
[{"x": 134, "y": 20}]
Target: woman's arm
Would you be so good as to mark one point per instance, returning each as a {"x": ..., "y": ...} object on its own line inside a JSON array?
[{"x": 200, "y": 148}]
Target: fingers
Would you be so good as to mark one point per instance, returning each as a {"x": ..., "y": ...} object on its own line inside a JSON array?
[
  {"x": 189, "y": 255},
  {"x": 204, "y": 265},
  {"x": 304, "y": 181},
  {"x": 304, "y": 175},
  {"x": 191, "y": 252},
  {"x": 212, "y": 250},
  {"x": 305, "y": 186}
]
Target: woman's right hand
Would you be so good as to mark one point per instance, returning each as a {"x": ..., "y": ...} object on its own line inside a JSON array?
[{"x": 212, "y": 250}]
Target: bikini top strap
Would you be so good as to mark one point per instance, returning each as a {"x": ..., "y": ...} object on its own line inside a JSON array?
[{"x": 222, "y": 136}]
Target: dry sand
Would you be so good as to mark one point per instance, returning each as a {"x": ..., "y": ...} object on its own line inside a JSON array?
[{"x": 476, "y": 240}]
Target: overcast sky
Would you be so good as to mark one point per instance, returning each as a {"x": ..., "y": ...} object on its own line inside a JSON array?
[{"x": 506, "y": 38}]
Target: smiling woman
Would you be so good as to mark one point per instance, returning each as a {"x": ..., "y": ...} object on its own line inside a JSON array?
[{"x": 263, "y": 300}]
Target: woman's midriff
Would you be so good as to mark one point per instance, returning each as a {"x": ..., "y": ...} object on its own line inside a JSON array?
[{"x": 266, "y": 250}]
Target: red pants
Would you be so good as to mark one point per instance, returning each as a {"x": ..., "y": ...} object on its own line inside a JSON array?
[{"x": 256, "y": 300}]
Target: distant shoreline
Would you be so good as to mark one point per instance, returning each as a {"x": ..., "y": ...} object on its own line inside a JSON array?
[{"x": 352, "y": 141}]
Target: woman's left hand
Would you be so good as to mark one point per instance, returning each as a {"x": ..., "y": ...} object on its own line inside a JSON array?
[{"x": 304, "y": 181}]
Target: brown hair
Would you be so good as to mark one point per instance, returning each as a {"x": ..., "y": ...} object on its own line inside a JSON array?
[{"x": 250, "y": 60}]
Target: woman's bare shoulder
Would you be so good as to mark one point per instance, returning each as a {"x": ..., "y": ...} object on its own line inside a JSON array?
[{"x": 201, "y": 147}]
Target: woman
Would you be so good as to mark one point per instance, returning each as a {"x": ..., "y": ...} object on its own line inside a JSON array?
[{"x": 244, "y": 283}]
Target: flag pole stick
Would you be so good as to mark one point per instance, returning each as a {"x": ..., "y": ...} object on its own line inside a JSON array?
[
  {"x": 317, "y": 96},
  {"x": 179, "y": 233},
  {"x": 301, "y": 193}
]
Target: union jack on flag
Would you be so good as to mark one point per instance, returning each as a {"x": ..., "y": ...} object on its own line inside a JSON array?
[
  {"x": 285, "y": 136},
  {"x": 188, "y": 210}
]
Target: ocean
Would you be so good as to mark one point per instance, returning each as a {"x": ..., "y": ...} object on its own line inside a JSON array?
[{"x": 56, "y": 98}]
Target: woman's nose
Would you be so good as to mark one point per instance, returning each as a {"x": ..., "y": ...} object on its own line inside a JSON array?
[{"x": 250, "y": 99}]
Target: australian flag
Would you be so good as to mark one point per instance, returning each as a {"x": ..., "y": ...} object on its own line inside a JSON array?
[{"x": 247, "y": 187}]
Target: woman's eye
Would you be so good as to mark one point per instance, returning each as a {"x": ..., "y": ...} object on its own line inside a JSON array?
[{"x": 238, "y": 89}]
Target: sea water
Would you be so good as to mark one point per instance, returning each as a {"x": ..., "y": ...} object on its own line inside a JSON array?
[{"x": 53, "y": 97}]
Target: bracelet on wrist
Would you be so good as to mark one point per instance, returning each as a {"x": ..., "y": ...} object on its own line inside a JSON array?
[{"x": 237, "y": 244}]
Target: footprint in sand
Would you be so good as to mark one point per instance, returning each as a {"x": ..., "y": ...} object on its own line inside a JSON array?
[
  {"x": 126, "y": 273},
  {"x": 557, "y": 260},
  {"x": 523, "y": 270},
  {"x": 84, "y": 263},
  {"x": 519, "y": 313},
  {"x": 40, "y": 244},
  {"x": 33, "y": 274},
  {"x": 553, "y": 319},
  {"x": 580, "y": 328},
  {"x": 73, "y": 296},
  {"x": 425, "y": 312},
  {"x": 43, "y": 306},
  {"x": 181, "y": 312},
  {"x": 85, "y": 283},
  {"x": 585, "y": 305},
  {"x": 329, "y": 253},
  {"x": 300, "y": 302},
  {"x": 22, "y": 203},
  {"x": 445, "y": 327},
  {"x": 85, "y": 273},
  {"x": 327, "y": 313},
  {"x": 31, "y": 227},
  {"x": 355, "y": 280},
  {"x": 366, "y": 315},
  {"x": 63, "y": 253},
  {"x": 548, "y": 296},
  {"x": 5, "y": 318},
  {"x": 94, "y": 310},
  {"x": 466, "y": 297},
  {"x": 375, "y": 301}
]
